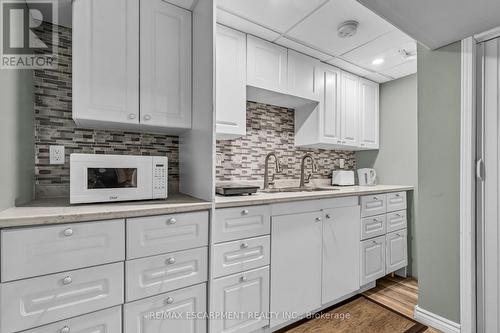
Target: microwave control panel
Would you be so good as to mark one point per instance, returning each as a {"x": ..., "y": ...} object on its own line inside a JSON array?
[{"x": 160, "y": 177}]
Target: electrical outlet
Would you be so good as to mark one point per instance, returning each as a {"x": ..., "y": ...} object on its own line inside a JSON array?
[
  {"x": 56, "y": 154},
  {"x": 341, "y": 163}
]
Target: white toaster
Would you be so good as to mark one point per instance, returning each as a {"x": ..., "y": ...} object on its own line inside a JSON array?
[{"x": 343, "y": 177}]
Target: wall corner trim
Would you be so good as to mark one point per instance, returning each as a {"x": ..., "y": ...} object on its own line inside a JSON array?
[{"x": 435, "y": 321}]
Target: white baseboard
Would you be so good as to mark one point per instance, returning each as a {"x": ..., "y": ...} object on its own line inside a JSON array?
[{"x": 428, "y": 318}]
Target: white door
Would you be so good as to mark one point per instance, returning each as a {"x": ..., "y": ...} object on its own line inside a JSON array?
[
  {"x": 369, "y": 114},
  {"x": 329, "y": 120},
  {"x": 349, "y": 109},
  {"x": 231, "y": 83},
  {"x": 396, "y": 251},
  {"x": 303, "y": 76},
  {"x": 165, "y": 65},
  {"x": 266, "y": 65},
  {"x": 174, "y": 312},
  {"x": 488, "y": 186},
  {"x": 243, "y": 293},
  {"x": 372, "y": 259},
  {"x": 340, "y": 253},
  {"x": 106, "y": 60},
  {"x": 296, "y": 242}
]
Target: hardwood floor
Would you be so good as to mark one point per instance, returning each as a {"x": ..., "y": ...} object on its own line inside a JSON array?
[{"x": 398, "y": 294}]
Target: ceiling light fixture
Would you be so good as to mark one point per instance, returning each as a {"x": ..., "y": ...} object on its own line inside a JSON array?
[
  {"x": 378, "y": 61},
  {"x": 347, "y": 29}
]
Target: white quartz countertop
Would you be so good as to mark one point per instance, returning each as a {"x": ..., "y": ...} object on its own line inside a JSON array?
[
  {"x": 60, "y": 211},
  {"x": 261, "y": 198}
]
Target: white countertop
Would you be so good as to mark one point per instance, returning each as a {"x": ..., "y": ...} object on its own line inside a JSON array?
[
  {"x": 60, "y": 211},
  {"x": 261, "y": 198}
]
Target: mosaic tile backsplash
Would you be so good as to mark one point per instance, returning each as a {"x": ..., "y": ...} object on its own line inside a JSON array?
[
  {"x": 271, "y": 129},
  {"x": 54, "y": 126}
]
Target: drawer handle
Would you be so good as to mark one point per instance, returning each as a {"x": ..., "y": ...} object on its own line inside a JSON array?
[
  {"x": 244, "y": 245},
  {"x": 397, "y": 194},
  {"x": 375, "y": 198},
  {"x": 398, "y": 235},
  {"x": 243, "y": 279},
  {"x": 375, "y": 220},
  {"x": 318, "y": 219},
  {"x": 169, "y": 300},
  {"x": 67, "y": 280},
  {"x": 244, "y": 212},
  {"x": 65, "y": 329},
  {"x": 399, "y": 215},
  {"x": 374, "y": 242},
  {"x": 68, "y": 232},
  {"x": 170, "y": 261},
  {"x": 328, "y": 216},
  {"x": 172, "y": 221}
]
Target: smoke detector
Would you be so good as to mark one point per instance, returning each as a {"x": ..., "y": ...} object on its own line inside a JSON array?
[{"x": 347, "y": 29}]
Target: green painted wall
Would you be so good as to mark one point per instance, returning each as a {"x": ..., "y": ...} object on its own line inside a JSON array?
[
  {"x": 17, "y": 165},
  {"x": 396, "y": 161},
  {"x": 438, "y": 244}
]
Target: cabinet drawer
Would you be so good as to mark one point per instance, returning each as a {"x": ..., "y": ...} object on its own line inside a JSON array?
[
  {"x": 105, "y": 321},
  {"x": 151, "y": 315},
  {"x": 148, "y": 236},
  {"x": 38, "y": 301},
  {"x": 396, "y": 221},
  {"x": 51, "y": 249},
  {"x": 396, "y": 201},
  {"x": 372, "y": 259},
  {"x": 396, "y": 251},
  {"x": 373, "y": 205},
  {"x": 246, "y": 292},
  {"x": 155, "y": 275},
  {"x": 241, "y": 222},
  {"x": 373, "y": 226},
  {"x": 238, "y": 256}
]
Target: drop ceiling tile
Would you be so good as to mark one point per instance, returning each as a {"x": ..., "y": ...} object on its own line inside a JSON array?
[
  {"x": 404, "y": 69},
  {"x": 320, "y": 28},
  {"x": 378, "y": 77},
  {"x": 279, "y": 15},
  {"x": 365, "y": 53},
  {"x": 243, "y": 25},
  {"x": 303, "y": 49},
  {"x": 187, "y": 4},
  {"x": 348, "y": 67}
]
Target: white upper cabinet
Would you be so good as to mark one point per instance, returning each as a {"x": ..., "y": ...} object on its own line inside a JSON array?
[
  {"x": 349, "y": 109},
  {"x": 369, "y": 114},
  {"x": 329, "y": 118},
  {"x": 266, "y": 65},
  {"x": 105, "y": 61},
  {"x": 231, "y": 76},
  {"x": 165, "y": 65},
  {"x": 303, "y": 76}
]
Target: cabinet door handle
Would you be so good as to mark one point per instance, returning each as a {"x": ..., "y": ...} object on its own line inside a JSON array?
[
  {"x": 67, "y": 280},
  {"x": 170, "y": 261},
  {"x": 328, "y": 216},
  {"x": 68, "y": 232},
  {"x": 169, "y": 300},
  {"x": 245, "y": 212},
  {"x": 243, "y": 279},
  {"x": 65, "y": 329},
  {"x": 131, "y": 116},
  {"x": 172, "y": 221},
  {"x": 318, "y": 219},
  {"x": 147, "y": 117},
  {"x": 244, "y": 246}
]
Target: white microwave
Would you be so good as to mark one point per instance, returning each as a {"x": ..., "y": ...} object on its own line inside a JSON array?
[{"x": 108, "y": 178}]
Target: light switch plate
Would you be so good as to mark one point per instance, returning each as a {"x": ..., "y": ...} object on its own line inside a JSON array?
[
  {"x": 56, "y": 154},
  {"x": 341, "y": 163}
]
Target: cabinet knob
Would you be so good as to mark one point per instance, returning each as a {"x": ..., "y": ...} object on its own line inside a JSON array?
[
  {"x": 375, "y": 220},
  {"x": 67, "y": 280},
  {"x": 243, "y": 279},
  {"x": 375, "y": 198},
  {"x": 244, "y": 245},
  {"x": 131, "y": 116},
  {"x": 398, "y": 235},
  {"x": 397, "y": 195},
  {"x": 169, "y": 300},
  {"x": 171, "y": 221},
  {"x": 374, "y": 242},
  {"x": 328, "y": 216},
  {"x": 318, "y": 219},
  {"x": 244, "y": 212},
  {"x": 65, "y": 329},
  {"x": 399, "y": 215},
  {"x": 68, "y": 232},
  {"x": 147, "y": 117},
  {"x": 171, "y": 261}
]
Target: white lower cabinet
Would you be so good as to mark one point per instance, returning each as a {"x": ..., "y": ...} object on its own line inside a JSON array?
[
  {"x": 296, "y": 264},
  {"x": 340, "y": 272},
  {"x": 38, "y": 301},
  {"x": 174, "y": 311},
  {"x": 396, "y": 250},
  {"x": 154, "y": 275},
  {"x": 240, "y": 294},
  {"x": 372, "y": 259},
  {"x": 105, "y": 321}
]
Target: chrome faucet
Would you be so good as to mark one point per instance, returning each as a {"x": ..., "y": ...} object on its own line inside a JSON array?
[
  {"x": 266, "y": 169},
  {"x": 303, "y": 181}
]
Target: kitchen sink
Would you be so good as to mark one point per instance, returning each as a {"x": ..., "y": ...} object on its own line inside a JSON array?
[{"x": 298, "y": 189}]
